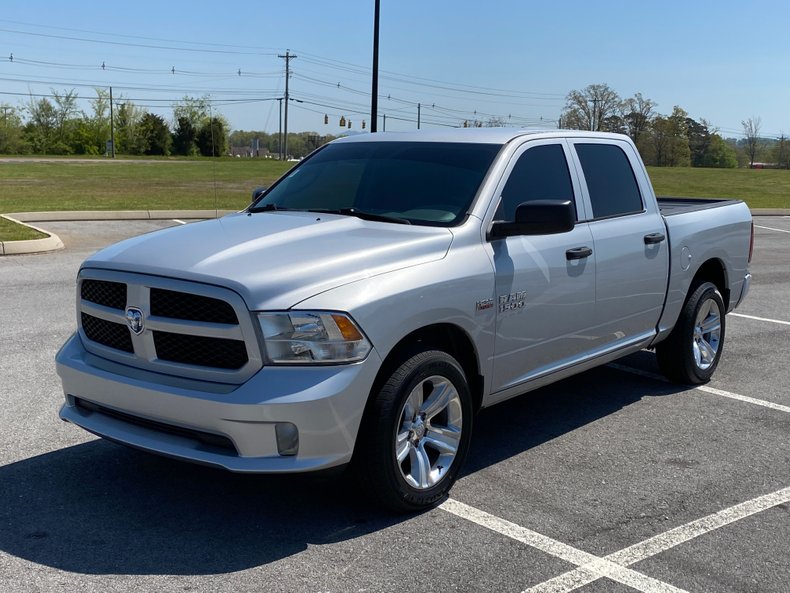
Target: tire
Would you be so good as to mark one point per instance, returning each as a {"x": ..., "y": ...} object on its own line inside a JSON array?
[
  {"x": 692, "y": 351},
  {"x": 416, "y": 433}
]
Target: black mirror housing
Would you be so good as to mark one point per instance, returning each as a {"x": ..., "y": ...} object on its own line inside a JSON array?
[
  {"x": 538, "y": 217},
  {"x": 258, "y": 192}
]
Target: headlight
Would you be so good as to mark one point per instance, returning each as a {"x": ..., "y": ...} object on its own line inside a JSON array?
[{"x": 305, "y": 337}]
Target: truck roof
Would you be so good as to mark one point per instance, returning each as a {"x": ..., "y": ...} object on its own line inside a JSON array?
[{"x": 473, "y": 135}]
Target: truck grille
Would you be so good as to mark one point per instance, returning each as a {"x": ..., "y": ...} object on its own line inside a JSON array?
[
  {"x": 188, "y": 329},
  {"x": 109, "y": 294},
  {"x": 113, "y": 335}
]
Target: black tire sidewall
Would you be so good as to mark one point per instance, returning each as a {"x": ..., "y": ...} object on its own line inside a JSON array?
[
  {"x": 386, "y": 477},
  {"x": 703, "y": 293}
]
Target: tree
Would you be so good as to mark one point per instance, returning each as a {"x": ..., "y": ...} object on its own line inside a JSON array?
[
  {"x": 751, "y": 130},
  {"x": 781, "y": 154},
  {"x": 637, "y": 113},
  {"x": 41, "y": 127},
  {"x": 720, "y": 154},
  {"x": 196, "y": 110},
  {"x": 154, "y": 135},
  {"x": 591, "y": 108},
  {"x": 65, "y": 116},
  {"x": 212, "y": 137},
  {"x": 11, "y": 137},
  {"x": 184, "y": 137},
  {"x": 127, "y": 121},
  {"x": 699, "y": 139}
]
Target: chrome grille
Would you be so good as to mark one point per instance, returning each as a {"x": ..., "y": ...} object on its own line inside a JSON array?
[{"x": 189, "y": 329}]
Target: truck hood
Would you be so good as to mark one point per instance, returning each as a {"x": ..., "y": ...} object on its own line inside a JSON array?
[{"x": 274, "y": 260}]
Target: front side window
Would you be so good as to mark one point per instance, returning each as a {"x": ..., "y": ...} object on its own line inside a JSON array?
[
  {"x": 541, "y": 173},
  {"x": 428, "y": 183},
  {"x": 610, "y": 180}
]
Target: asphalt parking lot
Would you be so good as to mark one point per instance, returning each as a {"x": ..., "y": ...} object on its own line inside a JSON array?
[{"x": 611, "y": 481}]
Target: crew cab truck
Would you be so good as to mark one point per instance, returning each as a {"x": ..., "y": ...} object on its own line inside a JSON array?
[{"x": 386, "y": 288}]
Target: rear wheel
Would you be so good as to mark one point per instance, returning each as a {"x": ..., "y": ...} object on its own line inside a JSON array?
[
  {"x": 692, "y": 351},
  {"x": 416, "y": 434}
]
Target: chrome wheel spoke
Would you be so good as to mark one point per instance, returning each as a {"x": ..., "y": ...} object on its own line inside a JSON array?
[
  {"x": 420, "y": 473},
  {"x": 707, "y": 352},
  {"x": 444, "y": 440},
  {"x": 438, "y": 400},
  {"x": 403, "y": 448},
  {"x": 413, "y": 403},
  {"x": 711, "y": 324}
]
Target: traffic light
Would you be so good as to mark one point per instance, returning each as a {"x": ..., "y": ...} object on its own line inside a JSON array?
[
  {"x": 363, "y": 124},
  {"x": 326, "y": 119},
  {"x": 342, "y": 121}
]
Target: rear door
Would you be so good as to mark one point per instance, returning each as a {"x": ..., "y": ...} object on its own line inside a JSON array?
[
  {"x": 629, "y": 237},
  {"x": 545, "y": 301}
]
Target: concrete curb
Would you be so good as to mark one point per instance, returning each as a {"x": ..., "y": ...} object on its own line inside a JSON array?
[{"x": 49, "y": 243}]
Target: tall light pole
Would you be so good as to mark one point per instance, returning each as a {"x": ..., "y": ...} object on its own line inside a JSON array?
[
  {"x": 280, "y": 133},
  {"x": 374, "y": 94}
]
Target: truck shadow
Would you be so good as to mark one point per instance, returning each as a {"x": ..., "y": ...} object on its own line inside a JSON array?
[{"x": 98, "y": 508}]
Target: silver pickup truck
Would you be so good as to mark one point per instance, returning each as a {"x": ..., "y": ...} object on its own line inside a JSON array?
[{"x": 365, "y": 306}]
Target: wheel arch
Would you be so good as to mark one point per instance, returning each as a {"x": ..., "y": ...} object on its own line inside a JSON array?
[{"x": 714, "y": 271}]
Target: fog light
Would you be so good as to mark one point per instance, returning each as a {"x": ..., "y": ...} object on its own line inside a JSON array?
[{"x": 287, "y": 438}]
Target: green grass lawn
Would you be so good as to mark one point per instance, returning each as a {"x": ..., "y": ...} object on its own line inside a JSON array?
[
  {"x": 175, "y": 184},
  {"x": 11, "y": 231},
  {"x": 759, "y": 188}
]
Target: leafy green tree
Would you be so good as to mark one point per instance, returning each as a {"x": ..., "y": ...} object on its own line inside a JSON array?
[
  {"x": 154, "y": 135},
  {"x": 720, "y": 154},
  {"x": 212, "y": 137},
  {"x": 184, "y": 138},
  {"x": 196, "y": 110},
  {"x": 699, "y": 138},
  {"x": 127, "y": 133},
  {"x": 12, "y": 139},
  {"x": 41, "y": 127}
]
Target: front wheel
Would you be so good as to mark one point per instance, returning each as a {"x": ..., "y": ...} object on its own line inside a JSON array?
[
  {"x": 692, "y": 351},
  {"x": 416, "y": 433}
]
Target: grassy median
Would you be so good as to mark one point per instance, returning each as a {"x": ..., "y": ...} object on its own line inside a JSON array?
[
  {"x": 11, "y": 231},
  {"x": 176, "y": 184}
]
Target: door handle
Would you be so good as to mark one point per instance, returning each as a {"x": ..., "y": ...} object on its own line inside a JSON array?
[
  {"x": 578, "y": 253},
  {"x": 654, "y": 238}
]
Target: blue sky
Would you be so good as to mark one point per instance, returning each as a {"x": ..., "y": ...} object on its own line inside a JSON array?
[{"x": 460, "y": 60}]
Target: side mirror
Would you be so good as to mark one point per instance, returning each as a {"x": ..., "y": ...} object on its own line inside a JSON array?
[
  {"x": 538, "y": 217},
  {"x": 258, "y": 192}
]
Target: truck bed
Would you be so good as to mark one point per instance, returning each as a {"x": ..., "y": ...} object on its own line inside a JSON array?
[{"x": 670, "y": 206}]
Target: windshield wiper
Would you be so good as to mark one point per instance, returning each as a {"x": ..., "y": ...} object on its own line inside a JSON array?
[
  {"x": 361, "y": 214},
  {"x": 266, "y": 208}
]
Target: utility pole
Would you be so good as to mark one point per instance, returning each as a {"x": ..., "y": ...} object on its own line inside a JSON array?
[
  {"x": 594, "y": 127},
  {"x": 287, "y": 57},
  {"x": 385, "y": 123},
  {"x": 280, "y": 133},
  {"x": 418, "y": 116},
  {"x": 374, "y": 94},
  {"x": 112, "y": 128}
]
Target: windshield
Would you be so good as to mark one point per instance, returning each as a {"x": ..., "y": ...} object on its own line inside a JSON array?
[{"x": 428, "y": 183}]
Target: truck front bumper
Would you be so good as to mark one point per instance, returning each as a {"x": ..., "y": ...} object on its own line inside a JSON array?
[{"x": 242, "y": 428}]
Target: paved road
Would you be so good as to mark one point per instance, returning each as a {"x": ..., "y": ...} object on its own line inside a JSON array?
[{"x": 566, "y": 477}]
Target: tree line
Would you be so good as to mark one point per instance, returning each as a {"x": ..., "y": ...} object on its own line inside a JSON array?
[
  {"x": 56, "y": 125},
  {"x": 673, "y": 140}
]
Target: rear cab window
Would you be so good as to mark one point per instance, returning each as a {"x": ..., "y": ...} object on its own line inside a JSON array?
[{"x": 611, "y": 182}]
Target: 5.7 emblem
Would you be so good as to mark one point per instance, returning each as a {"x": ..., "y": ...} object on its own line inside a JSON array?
[{"x": 134, "y": 319}]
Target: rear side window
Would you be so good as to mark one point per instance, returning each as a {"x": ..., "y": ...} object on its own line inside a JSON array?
[
  {"x": 610, "y": 180},
  {"x": 541, "y": 173}
]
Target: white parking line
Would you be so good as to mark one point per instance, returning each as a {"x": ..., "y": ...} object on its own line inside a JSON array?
[
  {"x": 594, "y": 567},
  {"x": 662, "y": 542},
  {"x": 705, "y": 388},
  {"x": 768, "y": 228},
  {"x": 179, "y": 221},
  {"x": 760, "y": 318}
]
